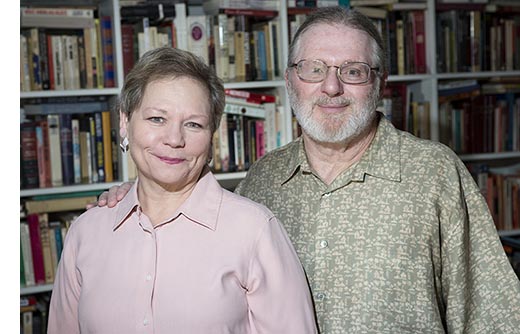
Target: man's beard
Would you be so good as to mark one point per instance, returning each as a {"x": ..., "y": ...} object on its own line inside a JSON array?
[{"x": 337, "y": 127}]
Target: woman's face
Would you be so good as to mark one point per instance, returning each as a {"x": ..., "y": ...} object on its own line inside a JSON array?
[{"x": 169, "y": 134}]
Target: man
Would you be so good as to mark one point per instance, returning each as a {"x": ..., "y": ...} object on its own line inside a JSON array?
[{"x": 392, "y": 230}]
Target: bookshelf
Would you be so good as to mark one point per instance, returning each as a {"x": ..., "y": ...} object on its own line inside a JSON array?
[{"x": 421, "y": 87}]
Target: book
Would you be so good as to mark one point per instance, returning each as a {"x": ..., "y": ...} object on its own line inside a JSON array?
[
  {"x": 29, "y": 155},
  {"x": 85, "y": 151},
  {"x": 107, "y": 51},
  {"x": 400, "y": 46},
  {"x": 44, "y": 162},
  {"x": 224, "y": 143},
  {"x": 127, "y": 45},
  {"x": 107, "y": 146},
  {"x": 249, "y": 96},
  {"x": 197, "y": 36},
  {"x": 220, "y": 32},
  {"x": 43, "y": 220},
  {"x": 25, "y": 67},
  {"x": 44, "y": 58},
  {"x": 181, "y": 26},
  {"x": 36, "y": 248},
  {"x": 93, "y": 147},
  {"x": 25, "y": 243},
  {"x": 59, "y": 204},
  {"x": 56, "y": 17},
  {"x": 67, "y": 158},
  {"x": 53, "y": 122},
  {"x": 76, "y": 150},
  {"x": 418, "y": 35},
  {"x": 98, "y": 126}
]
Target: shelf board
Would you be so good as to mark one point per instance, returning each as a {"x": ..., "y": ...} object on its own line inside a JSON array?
[
  {"x": 67, "y": 189},
  {"x": 255, "y": 84},
  {"x": 509, "y": 233},
  {"x": 28, "y": 290},
  {"x": 477, "y": 75},
  {"x": 65, "y": 93},
  {"x": 489, "y": 156}
]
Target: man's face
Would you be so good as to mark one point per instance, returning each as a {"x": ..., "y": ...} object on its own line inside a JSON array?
[{"x": 332, "y": 111}]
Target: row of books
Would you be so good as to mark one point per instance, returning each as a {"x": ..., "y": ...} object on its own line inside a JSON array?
[
  {"x": 501, "y": 189},
  {"x": 247, "y": 131},
  {"x": 473, "y": 40},
  {"x": 59, "y": 54},
  {"x": 241, "y": 44},
  {"x": 481, "y": 124},
  {"x": 405, "y": 113},
  {"x": 34, "y": 310},
  {"x": 41, "y": 243},
  {"x": 64, "y": 149}
]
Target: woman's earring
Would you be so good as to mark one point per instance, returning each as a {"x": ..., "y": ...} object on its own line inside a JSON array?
[{"x": 124, "y": 145}]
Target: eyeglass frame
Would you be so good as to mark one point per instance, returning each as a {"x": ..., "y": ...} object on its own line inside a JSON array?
[{"x": 338, "y": 74}]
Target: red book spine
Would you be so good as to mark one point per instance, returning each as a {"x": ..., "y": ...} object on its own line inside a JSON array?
[
  {"x": 36, "y": 248},
  {"x": 419, "y": 42},
  {"x": 127, "y": 41}
]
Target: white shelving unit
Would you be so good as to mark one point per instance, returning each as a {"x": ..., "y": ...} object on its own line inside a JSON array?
[{"x": 424, "y": 86}]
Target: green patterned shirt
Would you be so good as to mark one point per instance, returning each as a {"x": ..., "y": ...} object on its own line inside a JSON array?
[{"x": 402, "y": 242}]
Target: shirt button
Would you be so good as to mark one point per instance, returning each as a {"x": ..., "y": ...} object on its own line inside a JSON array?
[
  {"x": 148, "y": 277},
  {"x": 324, "y": 244},
  {"x": 320, "y": 296},
  {"x": 145, "y": 322}
]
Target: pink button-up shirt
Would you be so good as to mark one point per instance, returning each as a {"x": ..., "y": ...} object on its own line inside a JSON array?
[{"x": 221, "y": 264}]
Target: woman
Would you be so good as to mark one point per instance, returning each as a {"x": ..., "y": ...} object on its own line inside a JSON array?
[{"x": 178, "y": 254}]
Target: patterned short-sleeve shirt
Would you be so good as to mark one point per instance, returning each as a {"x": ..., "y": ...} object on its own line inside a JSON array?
[{"x": 402, "y": 242}]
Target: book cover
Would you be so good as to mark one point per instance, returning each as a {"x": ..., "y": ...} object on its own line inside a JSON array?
[
  {"x": 127, "y": 44},
  {"x": 44, "y": 59},
  {"x": 224, "y": 143},
  {"x": 181, "y": 26},
  {"x": 93, "y": 147},
  {"x": 57, "y": 62},
  {"x": 85, "y": 155}
]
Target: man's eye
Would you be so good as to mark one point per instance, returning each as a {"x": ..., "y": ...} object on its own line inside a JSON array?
[
  {"x": 194, "y": 125},
  {"x": 353, "y": 72}
]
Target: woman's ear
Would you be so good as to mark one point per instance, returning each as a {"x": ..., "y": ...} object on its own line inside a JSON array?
[{"x": 123, "y": 123}]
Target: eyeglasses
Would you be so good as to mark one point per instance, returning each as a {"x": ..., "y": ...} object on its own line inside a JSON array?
[{"x": 354, "y": 73}]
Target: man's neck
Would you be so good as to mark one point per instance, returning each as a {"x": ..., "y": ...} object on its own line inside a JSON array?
[{"x": 329, "y": 160}]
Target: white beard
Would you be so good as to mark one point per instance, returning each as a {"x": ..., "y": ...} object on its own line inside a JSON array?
[{"x": 337, "y": 127}]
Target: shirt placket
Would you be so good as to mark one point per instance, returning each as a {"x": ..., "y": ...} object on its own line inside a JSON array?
[{"x": 144, "y": 322}]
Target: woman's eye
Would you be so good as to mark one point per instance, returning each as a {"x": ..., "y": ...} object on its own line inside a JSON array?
[{"x": 156, "y": 119}]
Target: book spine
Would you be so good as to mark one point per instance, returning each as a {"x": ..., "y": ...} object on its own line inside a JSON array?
[
  {"x": 107, "y": 146},
  {"x": 67, "y": 158},
  {"x": 44, "y": 59},
  {"x": 98, "y": 121},
  {"x": 36, "y": 248},
  {"x": 42, "y": 139},
  {"x": 108, "y": 51},
  {"x": 25, "y": 241},
  {"x": 93, "y": 147},
  {"x": 53, "y": 122},
  {"x": 76, "y": 151},
  {"x": 48, "y": 265},
  {"x": 29, "y": 155},
  {"x": 127, "y": 43}
]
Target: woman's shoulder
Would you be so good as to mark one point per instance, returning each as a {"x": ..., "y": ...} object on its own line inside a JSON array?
[{"x": 244, "y": 207}]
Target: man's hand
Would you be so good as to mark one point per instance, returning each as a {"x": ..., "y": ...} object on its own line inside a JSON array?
[{"x": 112, "y": 196}]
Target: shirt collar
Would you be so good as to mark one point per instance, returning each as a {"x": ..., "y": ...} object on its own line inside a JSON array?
[
  {"x": 382, "y": 158},
  {"x": 201, "y": 207}
]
